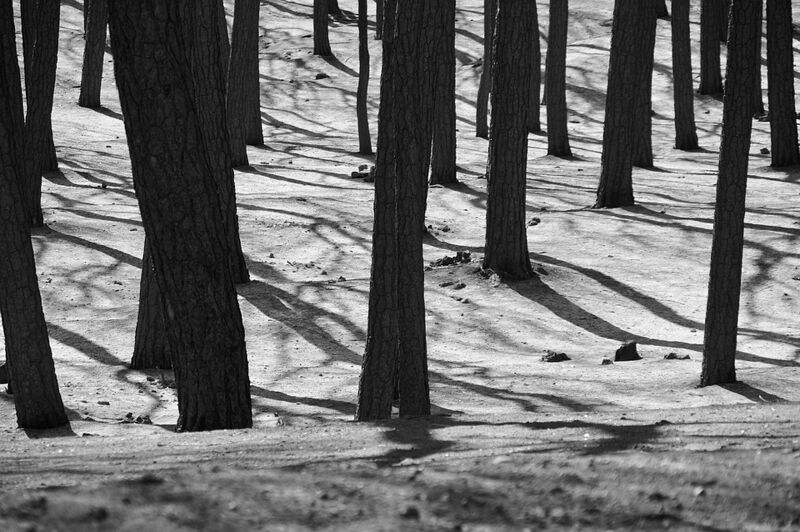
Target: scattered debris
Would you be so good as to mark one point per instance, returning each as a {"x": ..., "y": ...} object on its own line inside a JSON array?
[
  {"x": 606, "y": 361},
  {"x": 459, "y": 285},
  {"x": 764, "y": 151},
  {"x": 138, "y": 420},
  {"x": 104, "y": 403},
  {"x": 445, "y": 284},
  {"x": 367, "y": 173},
  {"x": 627, "y": 352},
  {"x": 461, "y": 257},
  {"x": 552, "y": 356},
  {"x": 321, "y": 75},
  {"x": 534, "y": 221},
  {"x": 676, "y": 356}
]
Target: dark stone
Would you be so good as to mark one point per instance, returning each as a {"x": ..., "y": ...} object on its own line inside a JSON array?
[
  {"x": 321, "y": 75},
  {"x": 676, "y": 356},
  {"x": 606, "y": 361},
  {"x": 627, "y": 352},
  {"x": 552, "y": 356}
]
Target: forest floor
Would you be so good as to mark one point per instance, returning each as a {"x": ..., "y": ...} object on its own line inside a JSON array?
[{"x": 514, "y": 442}]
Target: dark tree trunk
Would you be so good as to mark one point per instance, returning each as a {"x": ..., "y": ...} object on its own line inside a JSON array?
[
  {"x": 224, "y": 40},
  {"x": 780, "y": 84},
  {"x": 93, "y": 52},
  {"x": 723, "y": 18},
  {"x": 661, "y": 10},
  {"x": 334, "y": 10},
  {"x": 758, "y": 100},
  {"x": 322, "y": 45},
  {"x": 364, "y": 139},
  {"x": 642, "y": 117},
  {"x": 40, "y": 25},
  {"x": 722, "y": 312},
  {"x": 629, "y": 31},
  {"x": 178, "y": 198},
  {"x": 443, "y": 157},
  {"x": 534, "y": 114},
  {"x": 555, "y": 84},
  {"x": 506, "y": 249},
  {"x": 151, "y": 344},
  {"x": 379, "y": 19},
  {"x": 28, "y": 356},
  {"x": 710, "y": 74},
  {"x": 244, "y": 107},
  {"x": 485, "y": 87},
  {"x": 685, "y": 129}
]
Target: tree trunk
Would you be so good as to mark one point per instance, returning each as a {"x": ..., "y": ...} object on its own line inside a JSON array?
[
  {"x": 151, "y": 344},
  {"x": 723, "y": 19},
  {"x": 244, "y": 107},
  {"x": 780, "y": 84},
  {"x": 364, "y": 139},
  {"x": 334, "y": 10},
  {"x": 93, "y": 52},
  {"x": 40, "y": 25},
  {"x": 506, "y": 250},
  {"x": 628, "y": 32},
  {"x": 555, "y": 84},
  {"x": 482, "y": 102},
  {"x": 710, "y": 74},
  {"x": 322, "y": 45},
  {"x": 379, "y": 19},
  {"x": 443, "y": 157},
  {"x": 722, "y": 312},
  {"x": 178, "y": 198},
  {"x": 642, "y": 117},
  {"x": 685, "y": 129},
  {"x": 534, "y": 114},
  {"x": 661, "y": 10},
  {"x": 28, "y": 356},
  {"x": 758, "y": 100}
]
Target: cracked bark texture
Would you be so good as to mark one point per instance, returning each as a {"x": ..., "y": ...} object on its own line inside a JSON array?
[
  {"x": 485, "y": 86},
  {"x": 643, "y": 120},
  {"x": 443, "y": 156},
  {"x": 683, "y": 92},
  {"x": 180, "y": 206},
  {"x": 243, "y": 100},
  {"x": 29, "y": 360},
  {"x": 364, "y": 139},
  {"x": 506, "y": 248},
  {"x": 379, "y": 19},
  {"x": 322, "y": 45},
  {"x": 555, "y": 80},
  {"x": 780, "y": 84},
  {"x": 722, "y": 311},
  {"x": 710, "y": 69},
  {"x": 628, "y": 31},
  {"x": 93, "y": 51},
  {"x": 534, "y": 113},
  {"x": 40, "y": 24},
  {"x": 151, "y": 342}
]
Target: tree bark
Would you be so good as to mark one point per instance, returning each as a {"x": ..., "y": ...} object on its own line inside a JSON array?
[
  {"x": 780, "y": 84},
  {"x": 364, "y": 139},
  {"x": 758, "y": 100},
  {"x": 178, "y": 198},
  {"x": 334, "y": 10},
  {"x": 40, "y": 21},
  {"x": 722, "y": 312},
  {"x": 151, "y": 342},
  {"x": 710, "y": 73},
  {"x": 661, "y": 10},
  {"x": 28, "y": 356},
  {"x": 555, "y": 84},
  {"x": 93, "y": 52},
  {"x": 244, "y": 107},
  {"x": 642, "y": 117},
  {"x": 506, "y": 249},
  {"x": 482, "y": 102},
  {"x": 723, "y": 19},
  {"x": 443, "y": 157},
  {"x": 322, "y": 45},
  {"x": 379, "y": 19},
  {"x": 534, "y": 114},
  {"x": 685, "y": 129}
]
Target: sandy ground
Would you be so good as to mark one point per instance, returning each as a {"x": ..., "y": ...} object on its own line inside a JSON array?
[{"x": 515, "y": 442}]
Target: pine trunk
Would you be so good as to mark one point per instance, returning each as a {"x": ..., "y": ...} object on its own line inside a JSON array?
[
  {"x": 555, "y": 83},
  {"x": 685, "y": 129},
  {"x": 642, "y": 117},
  {"x": 710, "y": 73},
  {"x": 534, "y": 114},
  {"x": 379, "y": 19},
  {"x": 780, "y": 83},
  {"x": 93, "y": 52},
  {"x": 243, "y": 82},
  {"x": 322, "y": 45},
  {"x": 151, "y": 343},
  {"x": 443, "y": 156},
  {"x": 485, "y": 86},
  {"x": 364, "y": 139}
]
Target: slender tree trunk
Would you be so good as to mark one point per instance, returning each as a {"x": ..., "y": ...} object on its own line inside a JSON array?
[
  {"x": 555, "y": 84},
  {"x": 759, "y": 101},
  {"x": 628, "y": 32},
  {"x": 151, "y": 343},
  {"x": 780, "y": 84},
  {"x": 93, "y": 52},
  {"x": 722, "y": 312},
  {"x": 379, "y": 367},
  {"x": 322, "y": 45},
  {"x": 723, "y": 19},
  {"x": 443, "y": 157},
  {"x": 244, "y": 107},
  {"x": 178, "y": 197},
  {"x": 685, "y": 129},
  {"x": 661, "y": 10},
  {"x": 710, "y": 74},
  {"x": 40, "y": 25},
  {"x": 482, "y": 103},
  {"x": 28, "y": 356},
  {"x": 642, "y": 117},
  {"x": 506, "y": 250},
  {"x": 534, "y": 114},
  {"x": 364, "y": 139}
]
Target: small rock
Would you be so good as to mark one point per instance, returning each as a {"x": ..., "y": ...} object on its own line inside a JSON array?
[
  {"x": 105, "y": 403},
  {"x": 411, "y": 512},
  {"x": 444, "y": 284},
  {"x": 465, "y": 300},
  {"x": 363, "y": 168},
  {"x": 534, "y": 221},
  {"x": 459, "y": 285},
  {"x": 764, "y": 151},
  {"x": 272, "y": 255},
  {"x": 341, "y": 279},
  {"x": 676, "y": 356},
  {"x": 552, "y": 356},
  {"x": 606, "y": 361},
  {"x": 627, "y": 352},
  {"x": 321, "y": 75}
]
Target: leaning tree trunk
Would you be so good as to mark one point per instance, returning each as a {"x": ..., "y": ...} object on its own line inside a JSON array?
[
  {"x": 722, "y": 311},
  {"x": 642, "y": 117},
  {"x": 178, "y": 198},
  {"x": 780, "y": 84},
  {"x": 555, "y": 82},
  {"x": 364, "y": 139},
  {"x": 482, "y": 101},
  {"x": 685, "y": 129},
  {"x": 40, "y": 79},
  {"x": 534, "y": 114},
  {"x": 244, "y": 108},
  {"x": 710, "y": 74},
  {"x": 322, "y": 45},
  {"x": 506, "y": 249},
  {"x": 627, "y": 34},
  {"x": 93, "y": 52},
  {"x": 443, "y": 156},
  {"x": 28, "y": 356},
  {"x": 151, "y": 342}
]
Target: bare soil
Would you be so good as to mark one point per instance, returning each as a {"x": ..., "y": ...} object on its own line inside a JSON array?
[{"x": 514, "y": 443}]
